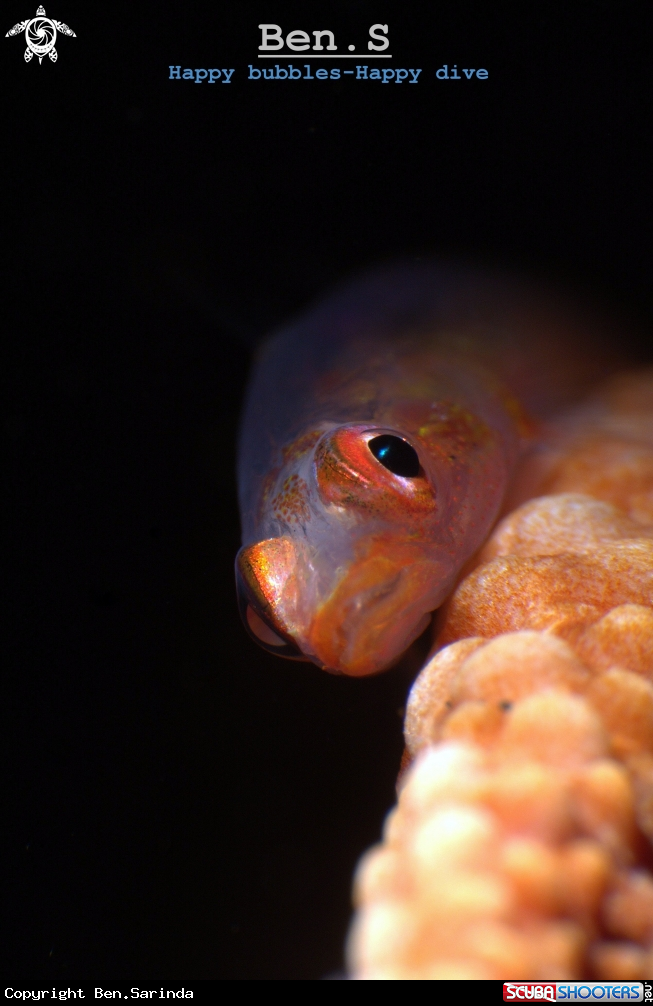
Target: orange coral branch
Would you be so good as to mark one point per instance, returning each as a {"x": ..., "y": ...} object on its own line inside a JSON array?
[{"x": 520, "y": 844}]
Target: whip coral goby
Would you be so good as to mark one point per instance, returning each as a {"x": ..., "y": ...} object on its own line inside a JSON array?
[{"x": 379, "y": 438}]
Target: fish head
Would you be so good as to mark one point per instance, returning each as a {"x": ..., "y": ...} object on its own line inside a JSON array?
[{"x": 354, "y": 554}]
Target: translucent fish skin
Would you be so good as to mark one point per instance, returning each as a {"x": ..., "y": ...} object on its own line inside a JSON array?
[{"x": 343, "y": 561}]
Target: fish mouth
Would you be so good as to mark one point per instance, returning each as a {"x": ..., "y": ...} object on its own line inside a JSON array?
[
  {"x": 262, "y": 572},
  {"x": 382, "y": 601},
  {"x": 380, "y": 606}
]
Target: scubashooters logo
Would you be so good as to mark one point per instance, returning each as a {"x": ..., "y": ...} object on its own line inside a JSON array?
[{"x": 40, "y": 35}]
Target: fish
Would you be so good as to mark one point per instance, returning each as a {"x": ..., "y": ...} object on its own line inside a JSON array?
[{"x": 380, "y": 435}]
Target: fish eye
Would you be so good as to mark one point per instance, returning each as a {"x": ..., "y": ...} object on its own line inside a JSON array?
[{"x": 396, "y": 455}]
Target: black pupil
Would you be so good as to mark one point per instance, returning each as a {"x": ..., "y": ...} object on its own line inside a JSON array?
[{"x": 395, "y": 455}]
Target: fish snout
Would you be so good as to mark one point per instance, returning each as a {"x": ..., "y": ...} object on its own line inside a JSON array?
[
  {"x": 267, "y": 587},
  {"x": 380, "y": 602}
]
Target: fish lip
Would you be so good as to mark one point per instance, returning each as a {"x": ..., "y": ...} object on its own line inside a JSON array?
[
  {"x": 376, "y": 612},
  {"x": 289, "y": 649}
]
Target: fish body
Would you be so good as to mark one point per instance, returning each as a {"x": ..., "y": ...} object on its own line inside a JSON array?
[{"x": 379, "y": 437}]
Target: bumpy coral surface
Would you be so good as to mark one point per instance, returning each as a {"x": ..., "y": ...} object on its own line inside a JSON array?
[{"x": 520, "y": 847}]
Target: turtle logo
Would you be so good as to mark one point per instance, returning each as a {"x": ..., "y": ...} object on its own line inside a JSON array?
[{"x": 40, "y": 35}]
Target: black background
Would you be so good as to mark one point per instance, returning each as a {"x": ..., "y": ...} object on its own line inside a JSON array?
[{"x": 181, "y": 804}]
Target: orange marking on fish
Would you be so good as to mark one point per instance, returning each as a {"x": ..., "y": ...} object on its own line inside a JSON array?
[
  {"x": 291, "y": 504},
  {"x": 293, "y": 451}
]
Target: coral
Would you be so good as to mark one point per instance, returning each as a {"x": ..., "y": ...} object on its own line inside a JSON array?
[{"x": 520, "y": 844}]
